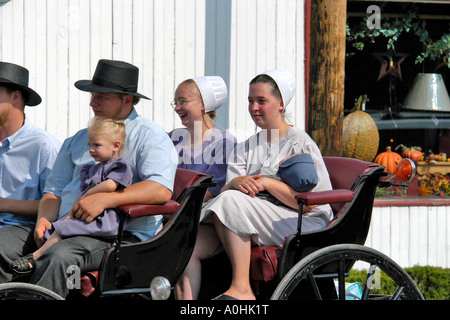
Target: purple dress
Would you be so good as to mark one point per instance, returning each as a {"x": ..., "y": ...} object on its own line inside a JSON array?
[
  {"x": 211, "y": 157},
  {"x": 106, "y": 224}
]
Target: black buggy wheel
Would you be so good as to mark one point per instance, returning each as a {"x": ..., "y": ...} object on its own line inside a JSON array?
[
  {"x": 305, "y": 274},
  {"x": 26, "y": 291}
]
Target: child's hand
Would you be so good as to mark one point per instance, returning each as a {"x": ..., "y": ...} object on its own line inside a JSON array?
[{"x": 69, "y": 216}]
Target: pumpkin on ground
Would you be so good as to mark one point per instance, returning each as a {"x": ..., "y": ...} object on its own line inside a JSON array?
[
  {"x": 389, "y": 160},
  {"x": 360, "y": 136}
]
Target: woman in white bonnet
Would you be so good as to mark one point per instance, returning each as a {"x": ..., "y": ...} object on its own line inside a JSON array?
[
  {"x": 241, "y": 218},
  {"x": 200, "y": 145}
]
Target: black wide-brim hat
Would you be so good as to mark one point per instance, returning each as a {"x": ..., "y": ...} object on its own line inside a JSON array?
[
  {"x": 16, "y": 77},
  {"x": 112, "y": 76}
]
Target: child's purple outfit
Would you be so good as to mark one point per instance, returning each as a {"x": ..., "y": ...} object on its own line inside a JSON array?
[{"x": 106, "y": 224}]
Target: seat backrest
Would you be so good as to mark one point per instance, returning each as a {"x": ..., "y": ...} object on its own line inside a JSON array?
[
  {"x": 183, "y": 179},
  {"x": 343, "y": 173},
  {"x": 361, "y": 177}
]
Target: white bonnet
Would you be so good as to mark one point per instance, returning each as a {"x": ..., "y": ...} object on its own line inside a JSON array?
[
  {"x": 213, "y": 91},
  {"x": 286, "y": 84}
]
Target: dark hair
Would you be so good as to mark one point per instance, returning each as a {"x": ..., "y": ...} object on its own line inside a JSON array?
[
  {"x": 264, "y": 78},
  {"x": 11, "y": 88},
  {"x": 212, "y": 114},
  {"x": 135, "y": 99}
]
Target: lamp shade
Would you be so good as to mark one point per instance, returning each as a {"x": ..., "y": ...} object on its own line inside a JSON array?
[{"x": 428, "y": 93}]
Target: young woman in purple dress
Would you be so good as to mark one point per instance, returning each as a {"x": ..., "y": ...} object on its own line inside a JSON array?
[{"x": 201, "y": 145}]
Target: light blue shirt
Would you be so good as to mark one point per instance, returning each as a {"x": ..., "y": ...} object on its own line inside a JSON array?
[
  {"x": 148, "y": 150},
  {"x": 26, "y": 159}
]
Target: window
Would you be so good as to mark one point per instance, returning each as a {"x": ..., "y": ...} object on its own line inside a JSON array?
[{"x": 383, "y": 63}]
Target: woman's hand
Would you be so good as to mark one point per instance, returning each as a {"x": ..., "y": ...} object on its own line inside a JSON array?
[{"x": 250, "y": 185}]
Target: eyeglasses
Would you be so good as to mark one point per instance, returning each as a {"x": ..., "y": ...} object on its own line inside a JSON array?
[{"x": 180, "y": 102}]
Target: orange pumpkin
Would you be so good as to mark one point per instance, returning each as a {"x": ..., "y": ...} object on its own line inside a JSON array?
[
  {"x": 413, "y": 153},
  {"x": 389, "y": 160}
]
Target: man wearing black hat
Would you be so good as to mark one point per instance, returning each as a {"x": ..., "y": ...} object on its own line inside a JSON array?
[
  {"x": 148, "y": 150},
  {"x": 27, "y": 153}
]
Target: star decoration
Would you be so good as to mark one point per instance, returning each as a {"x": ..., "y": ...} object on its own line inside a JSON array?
[{"x": 391, "y": 65}]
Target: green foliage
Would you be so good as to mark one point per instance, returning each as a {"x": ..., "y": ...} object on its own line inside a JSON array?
[
  {"x": 392, "y": 28},
  {"x": 436, "y": 49},
  {"x": 433, "y": 282}
]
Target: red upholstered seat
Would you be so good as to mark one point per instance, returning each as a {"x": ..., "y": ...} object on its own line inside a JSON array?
[
  {"x": 264, "y": 263},
  {"x": 88, "y": 282}
]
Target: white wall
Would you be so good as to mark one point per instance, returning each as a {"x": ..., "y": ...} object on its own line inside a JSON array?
[
  {"x": 265, "y": 35},
  {"x": 412, "y": 235},
  {"x": 60, "y": 42}
]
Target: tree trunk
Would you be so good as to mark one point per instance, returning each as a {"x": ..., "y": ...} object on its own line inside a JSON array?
[{"x": 326, "y": 75}]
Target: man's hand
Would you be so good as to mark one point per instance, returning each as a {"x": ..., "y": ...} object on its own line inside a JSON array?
[
  {"x": 89, "y": 207},
  {"x": 41, "y": 226},
  {"x": 48, "y": 212}
]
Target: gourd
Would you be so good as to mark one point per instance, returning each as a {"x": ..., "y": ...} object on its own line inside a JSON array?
[
  {"x": 360, "y": 135},
  {"x": 413, "y": 153},
  {"x": 389, "y": 160}
]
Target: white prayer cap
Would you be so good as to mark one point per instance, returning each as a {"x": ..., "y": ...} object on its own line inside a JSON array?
[
  {"x": 286, "y": 83},
  {"x": 213, "y": 91}
]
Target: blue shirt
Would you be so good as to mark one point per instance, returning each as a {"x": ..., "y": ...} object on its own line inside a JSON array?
[
  {"x": 26, "y": 159},
  {"x": 211, "y": 157},
  {"x": 148, "y": 150}
]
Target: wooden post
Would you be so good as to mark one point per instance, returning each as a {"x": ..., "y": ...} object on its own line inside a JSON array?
[{"x": 326, "y": 75}]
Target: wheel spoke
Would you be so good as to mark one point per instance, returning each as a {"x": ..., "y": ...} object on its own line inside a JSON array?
[
  {"x": 314, "y": 286},
  {"x": 397, "y": 293},
  {"x": 341, "y": 279}
]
